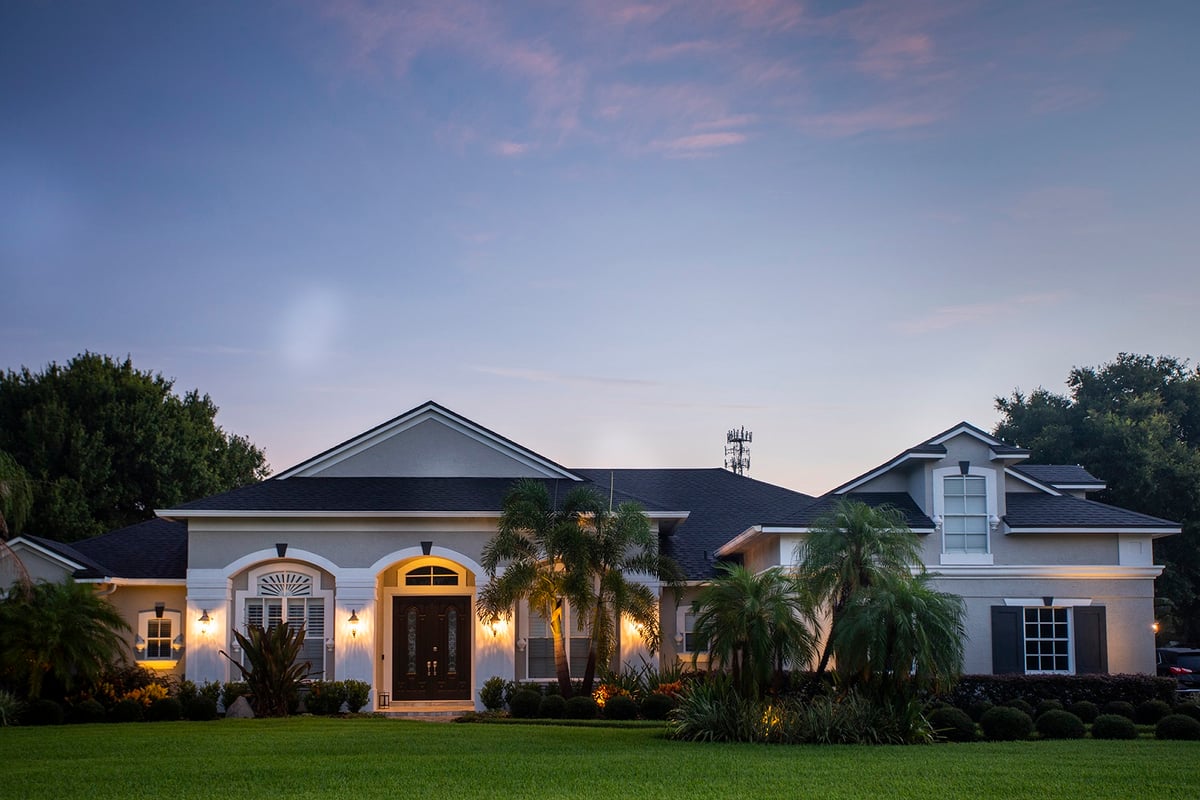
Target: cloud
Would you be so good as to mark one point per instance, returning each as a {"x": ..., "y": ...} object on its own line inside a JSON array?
[
  {"x": 840, "y": 124},
  {"x": 697, "y": 144},
  {"x": 511, "y": 149},
  {"x": 1063, "y": 97},
  {"x": 540, "y": 376},
  {"x": 955, "y": 316}
]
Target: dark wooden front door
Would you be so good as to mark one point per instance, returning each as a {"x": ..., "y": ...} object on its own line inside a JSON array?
[{"x": 431, "y": 648}]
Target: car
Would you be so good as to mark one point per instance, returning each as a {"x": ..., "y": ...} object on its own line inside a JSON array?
[{"x": 1182, "y": 664}]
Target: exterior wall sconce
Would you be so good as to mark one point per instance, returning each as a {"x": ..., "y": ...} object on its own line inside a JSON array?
[
  {"x": 353, "y": 622},
  {"x": 329, "y": 644},
  {"x": 937, "y": 523},
  {"x": 205, "y": 621},
  {"x": 494, "y": 625},
  {"x": 521, "y": 643},
  {"x": 177, "y": 643},
  {"x": 994, "y": 521},
  {"x": 678, "y": 638},
  {"x": 1155, "y": 627},
  {"x": 139, "y": 643}
]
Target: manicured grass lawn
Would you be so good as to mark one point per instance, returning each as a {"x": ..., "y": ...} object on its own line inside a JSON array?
[{"x": 375, "y": 758}]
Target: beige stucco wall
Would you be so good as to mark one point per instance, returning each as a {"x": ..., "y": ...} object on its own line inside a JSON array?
[{"x": 131, "y": 600}]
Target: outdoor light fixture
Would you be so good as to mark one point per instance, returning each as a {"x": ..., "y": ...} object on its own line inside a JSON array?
[
  {"x": 177, "y": 643},
  {"x": 354, "y": 622},
  {"x": 204, "y": 621},
  {"x": 139, "y": 643},
  {"x": 494, "y": 624},
  {"x": 1155, "y": 627}
]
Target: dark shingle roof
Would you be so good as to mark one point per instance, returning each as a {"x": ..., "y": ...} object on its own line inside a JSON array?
[
  {"x": 384, "y": 494},
  {"x": 1060, "y": 475},
  {"x": 1035, "y": 510},
  {"x": 722, "y": 505},
  {"x": 913, "y": 515},
  {"x": 89, "y": 565},
  {"x": 156, "y": 548}
]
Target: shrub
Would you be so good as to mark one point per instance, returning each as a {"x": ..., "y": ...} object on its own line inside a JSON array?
[
  {"x": 325, "y": 697},
  {"x": 357, "y": 694},
  {"x": 42, "y": 712},
  {"x": 88, "y": 711},
  {"x": 1048, "y": 705},
  {"x": 581, "y": 707},
  {"x": 492, "y": 693},
  {"x": 953, "y": 725},
  {"x": 711, "y": 711},
  {"x": 167, "y": 709},
  {"x": 620, "y": 707},
  {"x": 977, "y": 709},
  {"x": 1150, "y": 712},
  {"x": 657, "y": 705},
  {"x": 1085, "y": 710},
  {"x": 200, "y": 709},
  {"x": 524, "y": 704},
  {"x": 1113, "y": 726},
  {"x": 1177, "y": 726},
  {"x": 231, "y": 691},
  {"x": 126, "y": 711},
  {"x": 11, "y": 707},
  {"x": 552, "y": 706},
  {"x": 1189, "y": 709},
  {"x": 1125, "y": 709},
  {"x": 211, "y": 690},
  {"x": 1022, "y": 705},
  {"x": 1006, "y": 724},
  {"x": 1067, "y": 689},
  {"x": 1059, "y": 724},
  {"x": 272, "y": 667}
]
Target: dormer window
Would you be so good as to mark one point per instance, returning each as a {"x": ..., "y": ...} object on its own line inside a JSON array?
[{"x": 964, "y": 509}]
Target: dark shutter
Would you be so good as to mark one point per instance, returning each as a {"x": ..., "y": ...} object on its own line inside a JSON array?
[
  {"x": 1091, "y": 640},
  {"x": 1008, "y": 640}
]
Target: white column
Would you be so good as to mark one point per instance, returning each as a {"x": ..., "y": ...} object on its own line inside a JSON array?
[
  {"x": 208, "y": 592},
  {"x": 495, "y": 652},
  {"x": 354, "y": 646}
]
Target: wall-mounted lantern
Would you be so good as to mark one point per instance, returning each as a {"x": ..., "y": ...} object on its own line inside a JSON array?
[
  {"x": 353, "y": 622},
  {"x": 205, "y": 621}
]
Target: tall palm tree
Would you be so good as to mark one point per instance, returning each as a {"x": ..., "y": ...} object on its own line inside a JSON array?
[
  {"x": 618, "y": 544},
  {"x": 853, "y": 547},
  {"x": 534, "y": 542},
  {"x": 753, "y": 625},
  {"x": 61, "y": 631}
]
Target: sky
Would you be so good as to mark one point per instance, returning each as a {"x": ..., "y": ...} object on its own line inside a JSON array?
[{"x": 609, "y": 230}]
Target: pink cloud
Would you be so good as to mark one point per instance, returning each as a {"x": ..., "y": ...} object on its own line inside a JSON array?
[
  {"x": 697, "y": 144},
  {"x": 511, "y": 149},
  {"x": 954, "y": 316},
  {"x": 840, "y": 124}
]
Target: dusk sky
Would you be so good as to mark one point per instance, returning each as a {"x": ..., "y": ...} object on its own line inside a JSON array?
[{"x": 608, "y": 230}]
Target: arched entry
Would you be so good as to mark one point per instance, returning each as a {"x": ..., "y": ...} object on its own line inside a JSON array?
[{"x": 431, "y": 629}]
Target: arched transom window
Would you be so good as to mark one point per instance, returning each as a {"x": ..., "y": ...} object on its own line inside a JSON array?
[{"x": 290, "y": 597}]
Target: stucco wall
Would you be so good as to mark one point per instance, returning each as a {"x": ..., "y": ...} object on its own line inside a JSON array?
[{"x": 130, "y": 601}]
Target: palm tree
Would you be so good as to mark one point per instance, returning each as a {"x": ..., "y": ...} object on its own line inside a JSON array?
[
  {"x": 616, "y": 545},
  {"x": 901, "y": 636},
  {"x": 853, "y": 547},
  {"x": 61, "y": 631},
  {"x": 535, "y": 541},
  {"x": 753, "y": 625}
]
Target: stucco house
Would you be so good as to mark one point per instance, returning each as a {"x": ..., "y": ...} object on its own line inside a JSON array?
[{"x": 374, "y": 545}]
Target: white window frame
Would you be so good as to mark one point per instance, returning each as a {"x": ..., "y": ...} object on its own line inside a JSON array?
[
  {"x": 1070, "y": 638},
  {"x": 939, "y": 512},
  {"x": 682, "y": 612},
  {"x": 253, "y": 592},
  {"x": 141, "y": 648},
  {"x": 569, "y": 632}
]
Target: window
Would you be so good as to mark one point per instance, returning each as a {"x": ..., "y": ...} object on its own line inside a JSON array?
[
  {"x": 1047, "y": 640},
  {"x": 289, "y": 597},
  {"x": 1057, "y": 635},
  {"x": 691, "y": 642},
  {"x": 965, "y": 517},
  {"x": 431, "y": 576},
  {"x": 158, "y": 638},
  {"x": 539, "y": 647}
]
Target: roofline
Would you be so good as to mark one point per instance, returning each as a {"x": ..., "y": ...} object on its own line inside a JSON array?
[
  {"x": 1034, "y": 482},
  {"x": 135, "y": 581},
  {"x": 964, "y": 427},
  {"x": 214, "y": 513},
  {"x": 748, "y": 535},
  {"x": 1154, "y": 530},
  {"x": 886, "y": 467},
  {"x": 1009, "y": 456},
  {"x": 344, "y": 448},
  {"x": 1095, "y": 487},
  {"x": 47, "y": 551}
]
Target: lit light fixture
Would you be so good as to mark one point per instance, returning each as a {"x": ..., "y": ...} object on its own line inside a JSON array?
[
  {"x": 177, "y": 643},
  {"x": 494, "y": 625},
  {"x": 354, "y": 622},
  {"x": 1156, "y": 627},
  {"x": 139, "y": 643},
  {"x": 205, "y": 620}
]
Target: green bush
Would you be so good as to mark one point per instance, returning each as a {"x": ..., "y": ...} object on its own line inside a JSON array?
[
  {"x": 1189, "y": 709},
  {"x": 953, "y": 725},
  {"x": 1022, "y": 705},
  {"x": 1177, "y": 726},
  {"x": 1067, "y": 689},
  {"x": 977, "y": 709},
  {"x": 126, "y": 711},
  {"x": 1048, "y": 705},
  {"x": 620, "y": 707},
  {"x": 88, "y": 711},
  {"x": 1059, "y": 724},
  {"x": 492, "y": 693},
  {"x": 325, "y": 697},
  {"x": 552, "y": 706},
  {"x": 581, "y": 707},
  {"x": 1149, "y": 712},
  {"x": 1006, "y": 724},
  {"x": 1085, "y": 710},
  {"x": 167, "y": 709},
  {"x": 657, "y": 705},
  {"x": 200, "y": 708},
  {"x": 231, "y": 691},
  {"x": 524, "y": 704},
  {"x": 11, "y": 707},
  {"x": 1114, "y": 726},
  {"x": 42, "y": 712},
  {"x": 1122, "y": 707},
  {"x": 357, "y": 694}
]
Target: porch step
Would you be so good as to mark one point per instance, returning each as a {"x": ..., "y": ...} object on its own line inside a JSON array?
[{"x": 433, "y": 711}]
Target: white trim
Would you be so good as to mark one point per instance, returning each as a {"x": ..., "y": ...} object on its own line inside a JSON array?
[
  {"x": 271, "y": 554},
  {"x": 45, "y": 551},
  {"x": 136, "y": 581},
  {"x": 963, "y": 559},
  {"x": 140, "y": 632},
  {"x": 895, "y": 462},
  {"x": 1086, "y": 487},
  {"x": 417, "y": 416},
  {"x": 184, "y": 513},
  {"x": 1046, "y": 571},
  {"x": 319, "y": 592},
  {"x": 939, "y": 510},
  {"x": 1034, "y": 482},
  {"x": 1040, "y": 602},
  {"x": 994, "y": 456},
  {"x": 970, "y": 431},
  {"x": 1163, "y": 531},
  {"x": 745, "y": 537}
]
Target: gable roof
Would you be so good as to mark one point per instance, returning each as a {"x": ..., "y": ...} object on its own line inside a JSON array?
[
  {"x": 424, "y": 412},
  {"x": 914, "y": 517},
  {"x": 152, "y": 550},
  {"x": 1062, "y": 476}
]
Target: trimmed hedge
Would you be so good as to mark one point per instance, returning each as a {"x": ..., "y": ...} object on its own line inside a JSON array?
[
  {"x": 167, "y": 709},
  {"x": 524, "y": 704},
  {"x": 1086, "y": 710},
  {"x": 953, "y": 725},
  {"x": 42, "y": 712},
  {"x": 1067, "y": 689},
  {"x": 200, "y": 709},
  {"x": 1125, "y": 709},
  {"x": 1048, "y": 705},
  {"x": 1189, "y": 709},
  {"x": 126, "y": 711},
  {"x": 1006, "y": 724},
  {"x": 657, "y": 706},
  {"x": 1113, "y": 726},
  {"x": 1059, "y": 724},
  {"x": 1177, "y": 726},
  {"x": 553, "y": 706},
  {"x": 620, "y": 707},
  {"x": 88, "y": 711},
  {"x": 581, "y": 707},
  {"x": 1150, "y": 712}
]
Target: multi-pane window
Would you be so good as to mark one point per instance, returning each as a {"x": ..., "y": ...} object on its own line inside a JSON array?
[
  {"x": 1047, "y": 640},
  {"x": 431, "y": 576},
  {"x": 539, "y": 647},
  {"x": 285, "y": 598},
  {"x": 691, "y": 642},
  {"x": 158, "y": 639},
  {"x": 965, "y": 514}
]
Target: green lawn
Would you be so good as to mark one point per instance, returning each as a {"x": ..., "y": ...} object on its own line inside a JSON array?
[{"x": 375, "y": 758}]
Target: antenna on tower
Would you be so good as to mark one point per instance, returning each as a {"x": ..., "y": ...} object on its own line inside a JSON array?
[{"x": 737, "y": 450}]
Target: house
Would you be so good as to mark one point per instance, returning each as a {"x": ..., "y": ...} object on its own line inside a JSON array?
[{"x": 375, "y": 546}]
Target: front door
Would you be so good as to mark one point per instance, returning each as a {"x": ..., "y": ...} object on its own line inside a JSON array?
[{"x": 431, "y": 658}]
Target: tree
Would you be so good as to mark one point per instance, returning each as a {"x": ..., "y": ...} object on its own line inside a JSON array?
[
  {"x": 1135, "y": 423},
  {"x": 103, "y": 444},
  {"x": 16, "y": 495},
  {"x": 63, "y": 632},
  {"x": 753, "y": 625},
  {"x": 851, "y": 548}
]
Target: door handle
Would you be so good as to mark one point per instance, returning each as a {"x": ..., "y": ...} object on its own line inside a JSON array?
[{"x": 435, "y": 669}]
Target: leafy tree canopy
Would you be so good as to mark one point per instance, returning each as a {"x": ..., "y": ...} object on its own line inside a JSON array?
[
  {"x": 1134, "y": 423},
  {"x": 102, "y": 444}
]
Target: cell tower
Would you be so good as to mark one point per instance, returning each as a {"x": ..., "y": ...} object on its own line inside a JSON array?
[{"x": 737, "y": 450}]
